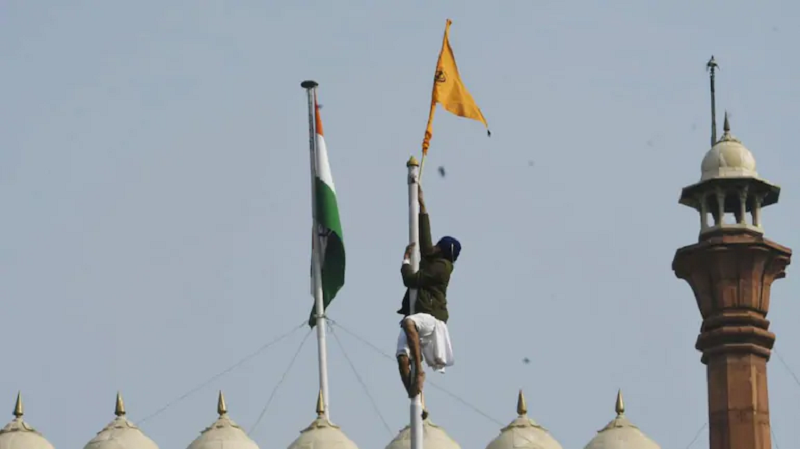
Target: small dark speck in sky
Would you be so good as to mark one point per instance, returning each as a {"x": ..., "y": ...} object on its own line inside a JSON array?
[
  {"x": 441, "y": 171},
  {"x": 526, "y": 360},
  {"x": 530, "y": 163}
]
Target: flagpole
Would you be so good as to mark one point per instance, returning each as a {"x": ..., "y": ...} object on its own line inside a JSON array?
[
  {"x": 316, "y": 263},
  {"x": 415, "y": 409}
]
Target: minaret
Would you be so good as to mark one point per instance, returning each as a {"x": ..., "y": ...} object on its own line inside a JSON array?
[{"x": 731, "y": 270}]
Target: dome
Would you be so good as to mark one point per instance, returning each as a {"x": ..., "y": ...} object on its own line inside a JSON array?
[
  {"x": 120, "y": 433},
  {"x": 433, "y": 436},
  {"x": 621, "y": 433},
  {"x": 322, "y": 434},
  {"x": 20, "y": 435},
  {"x": 523, "y": 432},
  {"x": 223, "y": 433},
  {"x": 728, "y": 158}
]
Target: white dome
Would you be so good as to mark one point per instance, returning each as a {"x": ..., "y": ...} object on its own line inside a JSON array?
[
  {"x": 20, "y": 435},
  {"x": 433, "y": 437},
  {"x": 524, "y": 433},
  {"x": 621, "y": 433},
  {"x": 322, "y": 434},
  {"x": 121, "y": 433},
  {"x": 223, "y": 433},
  {"x": 728, "y": 158}
]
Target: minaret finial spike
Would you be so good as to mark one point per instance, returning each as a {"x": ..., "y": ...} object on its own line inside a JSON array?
[
  {"x": 222, "y": 408},
  {"x": 712, "y": 67},
  {"x": 620, "y": 405},
  {"x": 727, "y": 125},
  {"x": 522, "y": 406},
  {"x": 320, "y": 404},
  {"x": 119, "y": 408},
  {"x": 19, "y": 409}
]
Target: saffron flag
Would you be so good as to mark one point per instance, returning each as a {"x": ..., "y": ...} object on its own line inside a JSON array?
[
  {"x": 450, "y": 92},
  {"x": 327, "y": 224}
]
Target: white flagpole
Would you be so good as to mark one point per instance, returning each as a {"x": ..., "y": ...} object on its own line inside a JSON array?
[
  {"x": 316, "y": 262},
  {"x": 413, "y": 236}
]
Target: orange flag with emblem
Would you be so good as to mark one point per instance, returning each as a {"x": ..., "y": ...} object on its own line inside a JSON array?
[{"x": 450, "y": 92}]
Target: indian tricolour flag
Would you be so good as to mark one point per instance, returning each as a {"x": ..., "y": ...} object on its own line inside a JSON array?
[{"x": 328, "y": 226}]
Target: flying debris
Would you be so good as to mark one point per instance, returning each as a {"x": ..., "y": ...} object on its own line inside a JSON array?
[
  {"x": 526, "y": 360},
  {"x": 441, "y": 171}
]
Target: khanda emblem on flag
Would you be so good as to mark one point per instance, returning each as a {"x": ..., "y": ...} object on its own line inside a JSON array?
[{"x": 440, "y": 76}]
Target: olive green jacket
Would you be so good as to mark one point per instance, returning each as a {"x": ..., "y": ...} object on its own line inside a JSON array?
[{"x": 431, "y": 280}]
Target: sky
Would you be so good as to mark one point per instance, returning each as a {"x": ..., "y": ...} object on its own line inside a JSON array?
[{"x": 155, "y": 196}]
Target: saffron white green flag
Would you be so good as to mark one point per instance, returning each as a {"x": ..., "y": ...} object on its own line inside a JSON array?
[{"x": 327, "y": 223}]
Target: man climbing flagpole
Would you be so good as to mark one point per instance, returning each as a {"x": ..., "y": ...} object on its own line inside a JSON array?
[{"x": 424, "y": 335}]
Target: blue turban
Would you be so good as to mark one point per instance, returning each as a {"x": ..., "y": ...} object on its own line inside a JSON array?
[{"x": 450, "y": 248}]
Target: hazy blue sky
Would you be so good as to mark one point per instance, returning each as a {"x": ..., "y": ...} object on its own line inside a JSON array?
[{"x": 155, "y": 207}]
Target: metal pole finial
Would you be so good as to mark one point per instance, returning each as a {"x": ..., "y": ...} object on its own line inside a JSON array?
[
  {"x": 712, "y": 63},
  {"x": 309, "y": 84},
  {"x": 712, "y": 66}
]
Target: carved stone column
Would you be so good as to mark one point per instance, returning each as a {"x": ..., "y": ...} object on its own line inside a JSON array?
[{"x": 731, "y": 272}]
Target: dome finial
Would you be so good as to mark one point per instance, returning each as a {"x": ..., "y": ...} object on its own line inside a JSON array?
[
  {"x": 620, "y": 405},
  {"x": 320, "y": 404},
  {"x": 222, "y": 408},
  {"x": 119, "y": 409},
  {"x": 19, "y": 410},
  {"x": 522, "y": 406},
  {"x": 727, "y": 125}
]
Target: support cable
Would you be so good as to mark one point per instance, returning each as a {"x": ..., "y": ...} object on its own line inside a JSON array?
[
  {"x": 774, "y": 439},
  {"x": 427, "y": 381},
  {"x": 280, "y": 382},
  {"x": 697, "y": 435},
  {"x": 361, "y": 381},
  {"x": 241, "y": 362},
  {"x": 788, "y": 368}
]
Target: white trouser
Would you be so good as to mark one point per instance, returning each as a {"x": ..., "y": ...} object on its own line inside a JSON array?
[{"x": 434, "y": 341}]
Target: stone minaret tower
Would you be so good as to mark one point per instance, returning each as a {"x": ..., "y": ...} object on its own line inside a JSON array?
[{"x": 730, "y": 271}]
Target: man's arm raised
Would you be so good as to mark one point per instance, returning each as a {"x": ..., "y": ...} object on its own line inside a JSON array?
[{"x": 425, "y": 239}]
